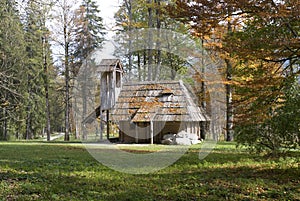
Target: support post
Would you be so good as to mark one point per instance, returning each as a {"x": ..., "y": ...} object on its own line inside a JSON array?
[
  {"x": 136, "y": 134},
  {"x": 151, "y": 132},
  {"x": 107, "y": 124},
  {"x": 100, "y": 125}
]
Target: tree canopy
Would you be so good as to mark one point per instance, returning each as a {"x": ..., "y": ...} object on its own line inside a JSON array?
[{"x": 261, "y": 42}]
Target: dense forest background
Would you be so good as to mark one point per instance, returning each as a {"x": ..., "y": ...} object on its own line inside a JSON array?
[{"x": 43, "y": 44}]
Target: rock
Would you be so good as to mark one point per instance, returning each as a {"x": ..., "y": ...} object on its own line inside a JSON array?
[
  {"x": 195, "y": 141},
  {"x": 181, "y": 138},
  {"x": 182, "y": 141},
  {"x": 192, "y": 136},
  {"x": 169, "y": 136},
  {"x": 182, "y": 134},
  {"x": 167, "y": 142}
]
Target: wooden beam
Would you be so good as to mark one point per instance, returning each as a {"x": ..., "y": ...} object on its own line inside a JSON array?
[
  {"x": 100, "y": 124},
  {"x": 151, "y": 132},
  {"x": 136, "y": 134},
  {"x": 107, "y": 124}
]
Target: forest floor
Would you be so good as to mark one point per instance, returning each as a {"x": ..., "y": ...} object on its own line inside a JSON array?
[{"x": 66, "y": 171}]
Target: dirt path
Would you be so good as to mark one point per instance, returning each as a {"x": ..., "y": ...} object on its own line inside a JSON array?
[{"x": 56, "y": 136}]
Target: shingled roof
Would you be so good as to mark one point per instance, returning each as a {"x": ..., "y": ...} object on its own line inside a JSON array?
[
  {"x": 156, "y": 101},
  {"x": 108, "y": 65}
]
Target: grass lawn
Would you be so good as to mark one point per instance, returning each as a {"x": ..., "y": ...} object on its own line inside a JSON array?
[{"x": 60, "y": 171}]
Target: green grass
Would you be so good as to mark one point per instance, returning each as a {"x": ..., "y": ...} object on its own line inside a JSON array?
[{"x": 60, "y": 171}]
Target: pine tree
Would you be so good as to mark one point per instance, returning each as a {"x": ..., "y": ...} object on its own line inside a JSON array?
[
  {"x": 89, "y": 31},
  {"x": 12, "y": 57},
  {"x": 47, "y": 62},
  {"x": 36, "y": 48},
  {"x": 89, "y": 35}
]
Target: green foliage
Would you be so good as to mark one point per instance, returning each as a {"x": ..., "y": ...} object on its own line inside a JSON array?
[
  {"x": 145, "y": 64},
  {"x": 89, "y": 31},
  {"x": 12, "y": 62},
  {"x": 60, "y": 171},
  {"x": 34, "y": 98},
  {"x": 89, "y": 35},
  {"x": 271, "y": 35},
  {"x": 261, "y": 33},
  {"x": 24, "y": 54},
  {"x": 281, "y": 131},
  {"x": 56, "y": 102}
]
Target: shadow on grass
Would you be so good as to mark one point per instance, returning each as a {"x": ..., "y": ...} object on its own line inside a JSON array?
[{"x": 55, "y": 172}]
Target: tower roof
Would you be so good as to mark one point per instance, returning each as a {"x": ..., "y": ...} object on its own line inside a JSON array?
[{"x": 109, "y": 65}]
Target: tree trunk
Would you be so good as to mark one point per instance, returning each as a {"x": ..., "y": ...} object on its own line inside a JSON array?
[
  {"x": 28, "y": 112},
  {"x": 28, "y": 120},
  {"x": 67, "y": 78},
  {"x": 84, "y": 102},
  {"x": 158, "y": 57},
  {"x": 48, "y": 127},
  {"x": 229, "y": 107},
  {"x": 150, "y": 41},
  {"x": 139, "y": 66},
  {"x": 203, "y": 93},
  {"x": 77, "y": 135},
  {"x": 5, "y": 124},
  {"x": 129, "y": 8},
  {"x": 4, "y": 117},
  {"x": 46, "y": 81},
  {"x": 145, "y": 64}
]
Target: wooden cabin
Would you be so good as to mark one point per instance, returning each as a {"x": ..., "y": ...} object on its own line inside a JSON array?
[{"x": 146, "y": 111}]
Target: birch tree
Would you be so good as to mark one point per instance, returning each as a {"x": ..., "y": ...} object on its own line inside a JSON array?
[{"x": 63, "y": 37}]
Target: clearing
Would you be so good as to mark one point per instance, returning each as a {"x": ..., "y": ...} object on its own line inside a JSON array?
[{"x": 66, "y": 171}]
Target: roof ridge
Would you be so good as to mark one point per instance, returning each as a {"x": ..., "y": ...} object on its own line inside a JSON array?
[{"x": 152, "y": 82}]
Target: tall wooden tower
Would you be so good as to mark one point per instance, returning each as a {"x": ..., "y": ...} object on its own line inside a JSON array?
[{"x": 111, "y": 72}]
